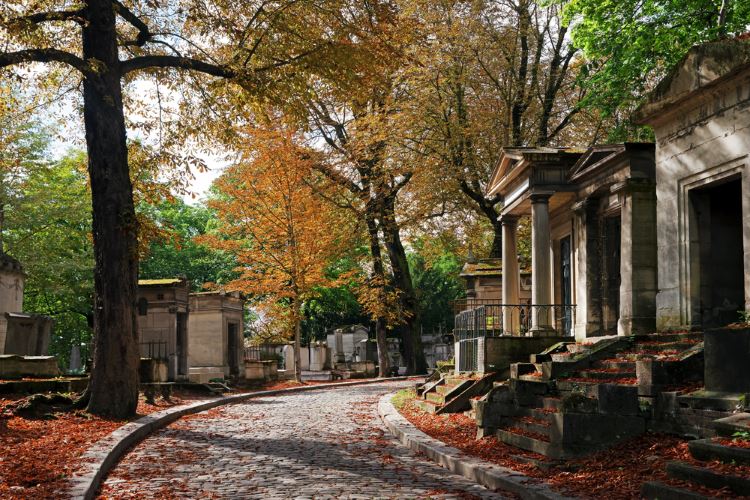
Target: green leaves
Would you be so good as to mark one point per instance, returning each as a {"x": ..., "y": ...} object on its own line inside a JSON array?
[{"x": 632, "y": 44}]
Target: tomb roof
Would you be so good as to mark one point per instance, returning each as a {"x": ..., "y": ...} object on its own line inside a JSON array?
[
  {"x": 704, "y": 66},
  {"x": 160, "y": 282}
]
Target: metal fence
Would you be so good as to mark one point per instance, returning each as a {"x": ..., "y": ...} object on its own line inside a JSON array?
[
  {"x": 154, "y": 349},
  {"x": 492, "y": 320},
  {"x": 264, "y": 352}
]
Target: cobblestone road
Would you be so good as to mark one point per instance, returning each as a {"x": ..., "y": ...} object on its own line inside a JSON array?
[{"x": 326, "y": 443}]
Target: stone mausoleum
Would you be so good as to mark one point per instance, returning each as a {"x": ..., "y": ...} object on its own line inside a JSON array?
[
  {"x": 701, "y": 118},
  {"x": 163, "y": 306},
  {"x": 215, "y": 341}
]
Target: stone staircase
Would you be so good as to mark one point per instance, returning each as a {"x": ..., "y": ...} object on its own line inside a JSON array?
[
  {"x": 575, "y": 398},
  {"x": 437, "y": 394},
  {"x": 701, "y": 472}
]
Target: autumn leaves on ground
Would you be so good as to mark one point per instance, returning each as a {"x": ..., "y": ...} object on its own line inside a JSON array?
[
  {"x": 39, "y": 453},
  {"x": 616, "y": 473}
]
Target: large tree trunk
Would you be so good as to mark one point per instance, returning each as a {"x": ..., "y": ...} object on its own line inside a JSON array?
[
  {"x": 496, "y": 252},
  {"x": 114, "y": 377},
  {"x": 384, "y": 365},
  {"x": 411, "y": 331}
]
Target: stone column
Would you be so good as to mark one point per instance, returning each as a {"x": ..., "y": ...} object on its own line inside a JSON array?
[
  {"x": 541, "y": 282},
  {"x": 638, "y": 260},
  {"x": 511, "y": 275},
  {"x": 588, "y": 269}
]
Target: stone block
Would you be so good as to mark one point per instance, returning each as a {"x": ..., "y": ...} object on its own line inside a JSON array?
[
  {"x": 581, "y": 431},
  {"x": 617, "y": 399},
  {"x": 254, "y": 370},
  {"x": 727, "y": 358},
  {"x": 576, "y": 402},
  {"x": 665, "y": 404},
  {"x": 15, "y": 366},
  {"x": 153, "y": 370}
]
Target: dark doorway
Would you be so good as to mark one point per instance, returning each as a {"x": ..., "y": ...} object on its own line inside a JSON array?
[
  {"x": 232, "y": 342},
  {"x": 718, "y": 290},
  {"x": 182, "y": 362},
  {"x": 611, "y": 273},
  {"x": 566, "y": 291}
]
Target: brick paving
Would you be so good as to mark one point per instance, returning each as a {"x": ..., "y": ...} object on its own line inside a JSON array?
[{"x": 327, "y": 443}]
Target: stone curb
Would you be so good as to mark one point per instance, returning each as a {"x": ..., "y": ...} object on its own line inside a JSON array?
[
  {"x": 491, "y": 476},
  {"x": 99, "y": 459}
]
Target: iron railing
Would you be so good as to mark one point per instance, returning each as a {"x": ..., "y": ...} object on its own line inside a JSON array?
[
  {"x": 493, "y": 320},
  {"x": 154, "y": 349}
]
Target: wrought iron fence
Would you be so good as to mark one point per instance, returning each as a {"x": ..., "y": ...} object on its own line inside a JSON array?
[
  {"x": 492, "y": 320},
  {"x": 468, "y": 355},
  {"x": 154, "y": 349}
]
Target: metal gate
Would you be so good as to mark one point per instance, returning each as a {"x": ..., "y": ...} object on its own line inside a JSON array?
[{"x": 468, "y": 355}]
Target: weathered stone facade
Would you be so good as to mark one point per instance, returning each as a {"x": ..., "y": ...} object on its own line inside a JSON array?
[
  {"x": 702, "y": 125},
  {"x": 21, "y": 334},
  {"x": 593, "y": 216},
  {"x": 215, "y": 344},
  {"x": 162, "y": 312}
]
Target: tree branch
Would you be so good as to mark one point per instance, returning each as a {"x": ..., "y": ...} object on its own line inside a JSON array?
[
  {"x": 164, "y": 61},
  {"x": 144, "y": 34},
  {"x": 44, "y": 55},
  {"x": 77, "y": 15}
]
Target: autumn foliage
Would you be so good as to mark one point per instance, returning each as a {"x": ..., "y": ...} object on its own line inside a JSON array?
[{"x": 283, "y": 233}]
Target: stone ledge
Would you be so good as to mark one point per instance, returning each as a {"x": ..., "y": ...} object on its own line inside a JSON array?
[
  {"x": 99, "y": 459},
  {"x": 491, "y": 476}
]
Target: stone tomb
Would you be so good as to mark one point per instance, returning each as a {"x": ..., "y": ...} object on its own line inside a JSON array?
[
  {"x": 162, "y": 315},
  {"x": 215, "y": 343},
  {"x": 20, "y": 333},
  {"x": 593, "y": 215},
  {"x": 702, "y": 125}
]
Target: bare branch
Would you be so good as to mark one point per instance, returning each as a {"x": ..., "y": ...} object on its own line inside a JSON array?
[
  {"x": 164, "y": 61},
  {"x": 144, "y": 34},
  {"x": 78, "y": 15},
  {"x": 44, "y": 55}
]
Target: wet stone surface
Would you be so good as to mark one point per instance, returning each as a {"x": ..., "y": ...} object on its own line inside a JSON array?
[{"x": 327, "y": 443}]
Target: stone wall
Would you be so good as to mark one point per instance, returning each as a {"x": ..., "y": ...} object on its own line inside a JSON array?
[{"x": 500, "y": 352}]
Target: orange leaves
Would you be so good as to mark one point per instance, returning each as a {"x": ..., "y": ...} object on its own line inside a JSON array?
[{"x": 271, "y": 217}]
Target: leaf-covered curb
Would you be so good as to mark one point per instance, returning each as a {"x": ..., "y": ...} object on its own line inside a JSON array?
[
  {"x": 489, "y": 475},
  {"x": 97, "y": 461}
]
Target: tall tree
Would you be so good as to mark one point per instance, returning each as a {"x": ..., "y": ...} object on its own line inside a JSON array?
[
  {"x": 632, "y": 44},
  {"x": 48, "y": 228},
  {"x": 493, "y": 74},
  {"x": 107, "y": 42},
  {"x": 176, "y": 250},
  {"x": 283, "y": 234}
]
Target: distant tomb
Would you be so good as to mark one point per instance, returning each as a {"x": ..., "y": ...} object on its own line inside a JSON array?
[
  {"x": 215, "y": 343},
  {"x": 24, "y": 338},
  {"x": 162, "y": 310}
]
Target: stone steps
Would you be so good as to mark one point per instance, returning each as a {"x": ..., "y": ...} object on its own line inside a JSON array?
[
  {"x": 739, "y": 422},
  {"x": 435, "y": 397},
  {"x": 593, "y": 374},
  {"x": 528, "y": 443},
  {"x": 537, "y": 428},
  {"x": 662, "y": 346},
  {"x": 708, "y": 478},
  {"x": 707, "y": 449},
  {"x": 703, "y": 450},
  {"x": 427, "y": 405},
  {"x": 656, "y": 490},
  {"x": 616, "y": 365}
]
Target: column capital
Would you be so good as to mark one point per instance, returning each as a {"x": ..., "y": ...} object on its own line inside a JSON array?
[
  {"x": 508, "y": 219},
  {"x": 633, "y": 185},
  {"x": 585, "y": 204},
  {"x": 540, "y": 197}
]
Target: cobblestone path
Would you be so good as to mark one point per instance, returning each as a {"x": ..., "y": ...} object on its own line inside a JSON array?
[{"x": 327, "y": 443}]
